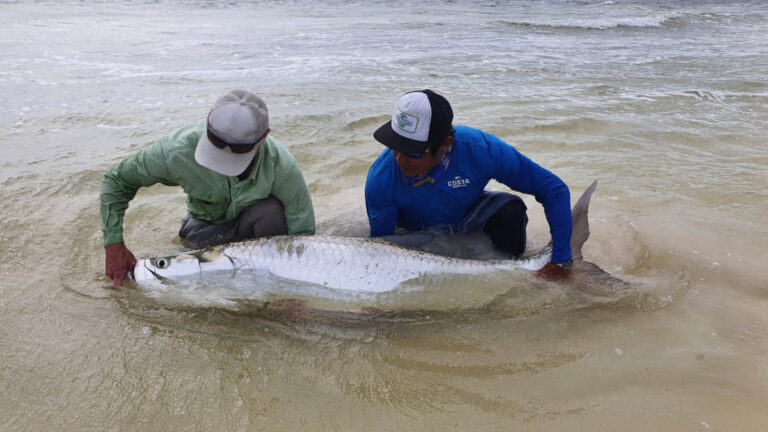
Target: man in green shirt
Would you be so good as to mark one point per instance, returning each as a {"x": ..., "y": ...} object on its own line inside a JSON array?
[{"x": 240, "y": 182}]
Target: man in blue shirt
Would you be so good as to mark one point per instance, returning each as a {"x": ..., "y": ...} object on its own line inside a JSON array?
[{"x": 433, "y": 177}]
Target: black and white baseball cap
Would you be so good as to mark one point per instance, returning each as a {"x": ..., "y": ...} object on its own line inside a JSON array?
[
  {"x": 420, "y": 120},
  {"x": 238, "y": 119}
]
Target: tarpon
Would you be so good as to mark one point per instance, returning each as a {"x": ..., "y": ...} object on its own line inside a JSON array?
[{"x": 354, "y": 265}]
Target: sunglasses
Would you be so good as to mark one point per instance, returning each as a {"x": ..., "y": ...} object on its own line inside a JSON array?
[
  {"x": 234, "y": 148},
  {"x": 410, "y": 155}
]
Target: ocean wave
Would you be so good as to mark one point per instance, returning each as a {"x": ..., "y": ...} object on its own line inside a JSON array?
[
  {"x": 603, "y": 23},
  {"x": 580, "y": 125}
]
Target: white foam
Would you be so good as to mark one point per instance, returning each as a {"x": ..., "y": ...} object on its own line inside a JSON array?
[{"x": 600, "y": 23}]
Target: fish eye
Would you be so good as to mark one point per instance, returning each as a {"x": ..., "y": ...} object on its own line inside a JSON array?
[{"x": 162, "y": 263}]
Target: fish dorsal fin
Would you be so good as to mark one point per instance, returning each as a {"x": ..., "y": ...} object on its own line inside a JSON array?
[{"x": 580, "y": 213}]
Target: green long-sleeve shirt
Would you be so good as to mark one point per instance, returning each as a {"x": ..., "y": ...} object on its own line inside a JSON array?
[{"x": 211, "y": 196}]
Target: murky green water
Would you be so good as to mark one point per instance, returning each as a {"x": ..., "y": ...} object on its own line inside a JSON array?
[{"x": 663, "y": 102}]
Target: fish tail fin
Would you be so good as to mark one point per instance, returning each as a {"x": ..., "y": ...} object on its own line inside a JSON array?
[{"x": 579, "y": 213}]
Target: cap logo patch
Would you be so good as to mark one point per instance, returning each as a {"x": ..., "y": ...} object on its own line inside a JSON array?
[{"x": 406, "y": 122}]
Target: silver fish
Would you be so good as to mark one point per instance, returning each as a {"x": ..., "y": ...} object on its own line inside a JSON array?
[{"x": 355, "y": 265}]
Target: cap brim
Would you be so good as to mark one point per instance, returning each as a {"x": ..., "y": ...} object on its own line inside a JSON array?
[
  {"x": 393, "y": 140},
  {"x": 222, "y": 161}
]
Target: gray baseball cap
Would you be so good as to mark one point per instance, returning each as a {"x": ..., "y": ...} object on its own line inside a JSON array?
[{"x": 236, "y": 129}]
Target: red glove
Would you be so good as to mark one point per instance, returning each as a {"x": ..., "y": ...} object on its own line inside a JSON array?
[
  {"x": 119, "y": 262},
  {"x": 553, "y": 272}
]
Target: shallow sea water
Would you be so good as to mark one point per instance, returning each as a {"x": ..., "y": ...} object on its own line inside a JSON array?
[{"x": 664, "y": 102}]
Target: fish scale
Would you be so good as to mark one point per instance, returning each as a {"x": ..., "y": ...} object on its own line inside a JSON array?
[{"x": 351, "y": 264}]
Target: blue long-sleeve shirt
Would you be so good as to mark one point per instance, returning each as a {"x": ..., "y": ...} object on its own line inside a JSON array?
[{"x": 477, "y": 157}]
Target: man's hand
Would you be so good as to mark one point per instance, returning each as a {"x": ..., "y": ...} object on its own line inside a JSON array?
[
  {"x": 553, "y": 272},
  {"x": 119, "y": 262}
]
